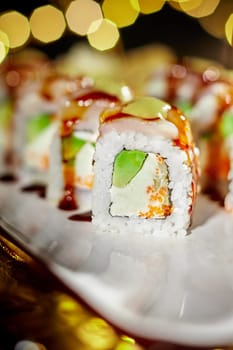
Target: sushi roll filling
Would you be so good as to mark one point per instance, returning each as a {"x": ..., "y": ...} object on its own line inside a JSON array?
[
  {"x": 39, "y": 132},
  {"x": 140, "y": 186},
  {"x": 77, "y": 151}
]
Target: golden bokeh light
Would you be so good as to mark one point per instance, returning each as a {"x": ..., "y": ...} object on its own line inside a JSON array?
[
  {"x": 120, "y": 12},
  {"x": 4, "y": 45},
  {"x": 16, "y": 27},
  {"x": 175, "y": 5},
  {"x": 47, "y": 23},
  {"x": 95, "y": 333},
  {"x": 127, "y": 346},
  {"x": 179, "y": 1},
  {"x": 215, "y": 23},
  {"x": 147, "y": 6},
  {"x": 205, "y": 8},
  {"x": 190, "y": 5},
  {"x": 103, "y": 34},
  {"x": 80, "y": 15},
  {"x": 229, "y": 29},
  {"x": 3, "y": 52}
]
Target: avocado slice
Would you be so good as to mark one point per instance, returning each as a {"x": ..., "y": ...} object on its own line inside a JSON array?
[
  {"x": 5, "y": 113},
  {"x": 36, "y": 125},
  {"x": 185, "y": 107},
  {"x": 147, "y": 108},
  {"x": 71, "y": 145},
  {"x": 126, "y": 166},
  {"x": 226, "y": 124}
]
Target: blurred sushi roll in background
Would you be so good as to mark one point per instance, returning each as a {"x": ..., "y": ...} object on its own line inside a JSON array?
[
  {"x": 82, "y": 59},
  {"x": 145, "y": 169},
  {"x": 17, "y": 71},
  {"x": 37, "y": 121},
  {"x": 212, "y": 119},
  {"x": 71, "y": 169},
  {"x": 179, "y": 83}
]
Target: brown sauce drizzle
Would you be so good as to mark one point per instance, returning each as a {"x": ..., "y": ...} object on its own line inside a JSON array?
[
  {"x": 97, "y": 95},
  {"x": 8, "y": 178},
  {"x": 87, "y": 217},
  {"x": 109, "y": 117},
  {"x": 214, "y": 194},
  {"x": 37, "y": 188},
  {"x": 68, "y": 201}
]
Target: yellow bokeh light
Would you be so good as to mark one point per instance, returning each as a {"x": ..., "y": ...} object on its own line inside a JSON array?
[
  {"x": 205, "y": 8},
  {"x": 3, "y": 52},
  {"x": 95, "y": 333},
  {"x": 120, "y": 12},
  {"x": 179, "y": 1},
  {"x": 4, "y": 45},
  {"x": 175, "y": 5},
  {"x": 16, "y": 27},
  {"x": 47, "y": 23},
  {"x": 103, "y": 34},
  {"x": 190, "y": 5},
  {"x": 147, "y": 6},
  {"x": 229, "y": 29},
  {"x": 215, "y": 23},
  {"x": 80, "y": 15}
]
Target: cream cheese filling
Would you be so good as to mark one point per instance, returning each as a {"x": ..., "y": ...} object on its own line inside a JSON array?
[
  {"x": 147, "y": 194},
  {"x": 37, "y": 152}
]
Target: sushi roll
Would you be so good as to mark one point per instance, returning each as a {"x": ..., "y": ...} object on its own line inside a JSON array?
[
  {"x": 179, "y": 83},
  {"x": 146, "y": 170},
  {"x": 17, "y": 71},
  {"x": 71, "y": 170},
  {"x": 212, "y": 117},
  {"x": 37, "y": 122}
]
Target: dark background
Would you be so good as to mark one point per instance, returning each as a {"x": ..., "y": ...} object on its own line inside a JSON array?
[{"x": 168, "y": 26}]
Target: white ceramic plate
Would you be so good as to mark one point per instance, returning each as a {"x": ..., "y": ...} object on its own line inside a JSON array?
[{"x": 178, "y": 290}]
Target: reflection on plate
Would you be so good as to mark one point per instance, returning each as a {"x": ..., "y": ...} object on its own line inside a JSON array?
[{"x": 178, "y": 290}]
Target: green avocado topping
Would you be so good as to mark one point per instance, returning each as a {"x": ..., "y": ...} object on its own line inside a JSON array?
[
  {"x": 36, "y": 125},
  {"x": 185, "y": 107},
  {"x": 5, "y": 113},
  {"x": 71, "y": 145},
  {"x": 126, "y": 166},
  {"x": 147, "y": 108},
  {"x": 226, "y": 125}
]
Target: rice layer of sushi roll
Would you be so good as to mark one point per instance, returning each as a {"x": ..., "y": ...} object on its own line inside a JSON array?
[{"x": 145, "y": 169}]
